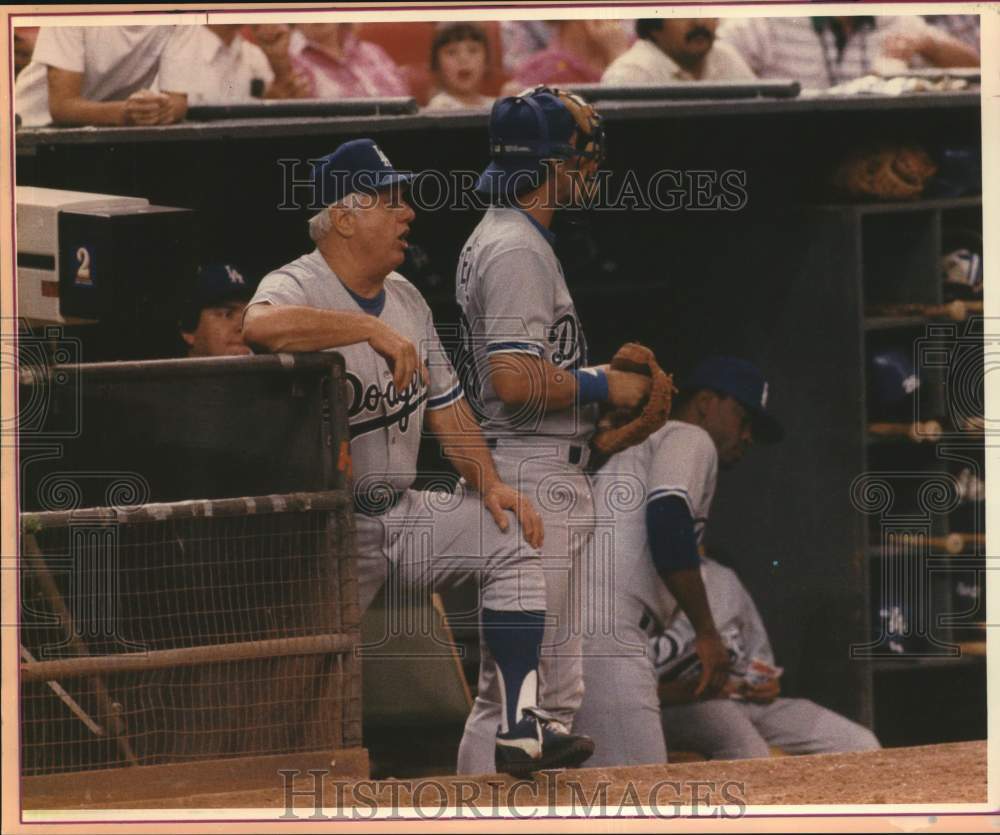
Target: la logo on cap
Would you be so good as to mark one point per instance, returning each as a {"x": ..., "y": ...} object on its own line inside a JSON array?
[
  {"x": 381, "y": 156},
  {"x": 234, "y": 275},
  {"x": 763, "y": 396}
]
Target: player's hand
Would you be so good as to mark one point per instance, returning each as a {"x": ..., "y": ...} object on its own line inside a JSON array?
[
  {"x": 500, "y": 497},
  {"x": 714, "y": 664},
  {"x": 762, "y": 694},
  {"x": 143, "y": 107},
  {"x": 399, "y": 353},
  {"x": 627, "y": 390}
]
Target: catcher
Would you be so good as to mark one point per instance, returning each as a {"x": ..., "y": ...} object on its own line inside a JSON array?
[
  {"x": 523, "y": 361},
  {"x": 653, "y": 501}
]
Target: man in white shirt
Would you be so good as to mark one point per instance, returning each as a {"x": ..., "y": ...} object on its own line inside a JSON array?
[
  {"x": 822, "y": 52},
  {"x": 216, "y": 64},
  {"x": 677, "y": 50},
  {"x": 98, "y": 75}
]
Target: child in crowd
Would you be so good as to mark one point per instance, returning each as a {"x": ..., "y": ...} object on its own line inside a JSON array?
[{"x": 459, "y": 56}]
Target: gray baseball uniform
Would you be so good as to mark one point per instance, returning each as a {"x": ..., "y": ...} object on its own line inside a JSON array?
[
  {"x": 729, "y": 729},
  {"x": 514, "y": 300},
  {"x": 621, "y": 709},
  {"x": 426, "y": 538}
]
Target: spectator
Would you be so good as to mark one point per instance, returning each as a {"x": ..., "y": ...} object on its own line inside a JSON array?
[
  {"x": 99, "y": 75},
  {"x": 216, "y": 64},
  {"x": 459, "y": 57},
  {"x": 211, "y": 322},
  {"x": 24, "y": 46},
  {"x": 932, "y": 46},
  {"x": 963, "y": 27},
  {"x": 519, "y": 39},
  {"x": 579, "y": 52},
  {"x": 821, "y": 52},
  {"x": 677, "y": 49},
  {"x": 339, "y": 65},
  {"x": 749, "y": 715}
]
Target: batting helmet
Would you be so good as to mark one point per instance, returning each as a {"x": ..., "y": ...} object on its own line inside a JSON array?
[{"x": 534, "y": 126}]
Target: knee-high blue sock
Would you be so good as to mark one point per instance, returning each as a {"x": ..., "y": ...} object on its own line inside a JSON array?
[{"x": 514, "y": 639}]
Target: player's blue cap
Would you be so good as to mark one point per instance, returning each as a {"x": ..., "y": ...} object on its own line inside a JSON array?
[
  {"x": 744, "y": 382},
  {"x": 525, "y": 130},
  {"x": 212, "y": 286},
  {"x": 356, "y": 166},
  {"x": 217, "y": 283}
]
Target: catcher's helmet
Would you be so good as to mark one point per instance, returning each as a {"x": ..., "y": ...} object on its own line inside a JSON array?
[{"x": 534, "y": 126}]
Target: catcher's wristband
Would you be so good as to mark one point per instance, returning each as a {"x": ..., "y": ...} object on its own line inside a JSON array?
[{"x": 591, "y": 385}]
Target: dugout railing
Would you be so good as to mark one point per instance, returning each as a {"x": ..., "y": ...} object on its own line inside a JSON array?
[{"x": 197, "y": 644}]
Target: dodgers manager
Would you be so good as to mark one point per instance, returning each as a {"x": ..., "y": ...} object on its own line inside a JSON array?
[{"x": 346, "y": 295}]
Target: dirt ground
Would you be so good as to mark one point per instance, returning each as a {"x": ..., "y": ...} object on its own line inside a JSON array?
[{"x": 952, "y": 773}]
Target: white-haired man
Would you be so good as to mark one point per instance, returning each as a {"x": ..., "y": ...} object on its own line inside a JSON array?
[{"x": 346, "y": 295}]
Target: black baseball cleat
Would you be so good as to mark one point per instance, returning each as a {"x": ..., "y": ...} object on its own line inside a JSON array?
[{"x": 538, "y": 742}]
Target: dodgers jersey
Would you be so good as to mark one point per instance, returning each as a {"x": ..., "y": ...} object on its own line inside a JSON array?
[
  {"x": 385, "y": 424},
  {"x": 679, "y": 459},
  {"x": 514, "y": 300},
  {"x": 672, "y": 651}
]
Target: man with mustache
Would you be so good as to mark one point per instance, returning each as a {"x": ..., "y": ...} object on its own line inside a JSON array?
[{"x": 680, "y": 49}]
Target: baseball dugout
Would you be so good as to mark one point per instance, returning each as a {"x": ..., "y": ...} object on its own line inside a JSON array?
[{"x": 163, "y": 634}]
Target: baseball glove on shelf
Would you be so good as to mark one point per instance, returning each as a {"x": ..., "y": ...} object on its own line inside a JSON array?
[
  {"x": 619, "y": 429},
  {"x": 891, "y": 172}
]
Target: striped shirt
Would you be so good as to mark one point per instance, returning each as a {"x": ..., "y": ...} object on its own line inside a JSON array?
[{"x": 791, "y": 47}]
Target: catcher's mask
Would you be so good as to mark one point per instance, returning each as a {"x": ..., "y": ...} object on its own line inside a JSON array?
[{"x": 537, "y": 125}]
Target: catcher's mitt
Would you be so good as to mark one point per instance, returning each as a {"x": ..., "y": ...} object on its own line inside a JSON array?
[
  {"x": 897, "y": 172},
  {"x": 621, "y": 428}
]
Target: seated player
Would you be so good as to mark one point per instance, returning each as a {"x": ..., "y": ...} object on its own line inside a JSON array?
[
  {"x": 99, "y": 75},
  {"x": 211, "y": 321},
  {"x": 217, "y": 64},
  {"x": 459, "y": 55},
  {"x": 677, "y": 49},
  {"x": 578, "y": 52},
  {"x": 338, "y": 65},
  {"x": 821, "y": 52},
  {"x": 749, "y": 715}
]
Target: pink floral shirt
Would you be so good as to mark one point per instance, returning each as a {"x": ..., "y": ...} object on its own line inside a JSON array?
[
  {"x": 364, "y": 70},
  {"x": 555, "y": 66}
]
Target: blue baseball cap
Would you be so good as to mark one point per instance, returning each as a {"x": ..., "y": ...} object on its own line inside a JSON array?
[
  {"x": 745, "y": 383},
  {"x": 525, "y": 130},
  {"x": 356, "y": 166},
  {"x": 213, "y": 285},
  {"x": 893, "y": 378}
]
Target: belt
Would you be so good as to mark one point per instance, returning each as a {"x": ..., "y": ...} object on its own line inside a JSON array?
[
  {"x": 377, "y": 502},
  {"x": 574, "y": 454}
]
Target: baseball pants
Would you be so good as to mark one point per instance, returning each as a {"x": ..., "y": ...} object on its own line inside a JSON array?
[
  {"x": 433, "y": 539},
  {"x": 621, "y": 708},
  {"x": 724, "y": 729},
  {"x": 561, "y": 493}
]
